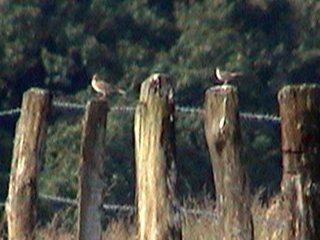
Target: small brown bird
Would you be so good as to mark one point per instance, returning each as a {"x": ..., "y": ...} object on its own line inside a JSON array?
[
  {"x": 103, "y": 88},
  {"x": 225, "y": 77}
]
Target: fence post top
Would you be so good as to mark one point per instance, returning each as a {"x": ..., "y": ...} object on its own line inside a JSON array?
[
  {"x": 298, "y": 87},
  {"x": 157, "y": 84},
  {"x": 222, "y": 88},
  {"x": 157, "y": 74},
  {"x": 158, "y": 78},
  {"x": 37, "y": 90}
]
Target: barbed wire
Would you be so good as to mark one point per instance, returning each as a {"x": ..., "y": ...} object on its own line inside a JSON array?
[
  {"x": 185, "y": 211},
  {"x": 58, "y": 199},
  {"x": 69, "y": 201},
  {"x": 260, "y": 117},
  {"x": 11, "y": 112},
  {"x": 199, "y": 213},
  {"x": 130, "y": 209},
  {"x": 80, "y": 108},
  {"x": 123, "y": 208},
  {"x": 68, "y": 107},
  {"x": 188, "y": 109},
  {"x": 123, "y": 109}
]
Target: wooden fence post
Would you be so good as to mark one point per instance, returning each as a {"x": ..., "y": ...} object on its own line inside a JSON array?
[
  {"x": 91, "y": 170},
  {"x": 158, "y": 216},
  {"x": 300, "y": 134},
  {"x": 222, "y": 130},
  {"x": 27, "y": 152}
]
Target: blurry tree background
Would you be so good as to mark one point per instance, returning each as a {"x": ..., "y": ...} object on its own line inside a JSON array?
[{"x": 59, "y": 45}]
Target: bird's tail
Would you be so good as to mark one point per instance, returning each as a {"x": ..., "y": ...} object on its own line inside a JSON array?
[
  {"x": 236, "y": 74},
  {"x": 121, "y": 91}
]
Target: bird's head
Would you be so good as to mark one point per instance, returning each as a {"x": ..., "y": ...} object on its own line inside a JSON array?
[
  {"x": 218, "y": 74},
  {"x": 96, "y": 78}
]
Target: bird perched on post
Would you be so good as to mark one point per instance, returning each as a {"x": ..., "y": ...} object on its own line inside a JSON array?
[
  {"x": 225, "y": 77},
  {"x": 103, "y": 88}
]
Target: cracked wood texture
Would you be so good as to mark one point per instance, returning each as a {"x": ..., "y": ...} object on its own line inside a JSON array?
[
  {"x": 27, "y": 153},
  {"x": 222, "y": 131},
  {"x": 158, "y": 216},
  {"x": 91, "y": 170},
  {"x": 300, "y": 135}
]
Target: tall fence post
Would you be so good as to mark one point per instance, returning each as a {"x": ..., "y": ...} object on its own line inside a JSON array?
[
  {"x": 27, "y": 152},
  {"x": 222, "y": 131},
  {"x": 91, "y": 170},
  {"x": 158, "y": 216},
  {"x": 300, "y": 134}
]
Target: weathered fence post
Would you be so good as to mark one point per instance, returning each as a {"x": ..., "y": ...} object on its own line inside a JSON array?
[
  {"x": 158, "y": 216},
  {"x": 222, "y": 130},
  {"x": 91, "y": 170},
  {"x": 27, "y": 152},
  {"x": 300, "y": 134}
]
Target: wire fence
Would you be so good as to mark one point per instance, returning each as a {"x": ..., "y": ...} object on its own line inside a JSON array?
[
  {"x": 129, "y": 209},
  {"x": 74, "y": 108}
]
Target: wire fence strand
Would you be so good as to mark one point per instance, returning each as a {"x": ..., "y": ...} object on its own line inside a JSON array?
[
  {"x": 67, "y": 107},
  {"x": 10, "y": 113},
  {"x": 260, "y": 117},
  {"x": 129, "y": 209},
  {"x": 76, "y": 108}
]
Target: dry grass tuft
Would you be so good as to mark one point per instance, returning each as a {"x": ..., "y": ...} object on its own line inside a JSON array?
[
  {"x": 199, "y": 227},
  {"x": 269, "y": 219},
  {"x": 195, "y": 228},
  {"x": 120, "y": 230},
  {"x": 51, "y": 234}
]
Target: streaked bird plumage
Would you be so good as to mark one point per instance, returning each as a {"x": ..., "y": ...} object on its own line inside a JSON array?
[{"x": 103, "y": 87}]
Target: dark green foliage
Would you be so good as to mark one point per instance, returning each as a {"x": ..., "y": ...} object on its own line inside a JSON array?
[{"x": 59, "y": 45}]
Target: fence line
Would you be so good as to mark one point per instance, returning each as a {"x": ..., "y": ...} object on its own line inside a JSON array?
[
  {"x": 222, "y": 128},
  {"x": 74, "y": 108},
  {"x": 69, "y": 107},
  {"x": 260, "y": 117},
  {"x": 130, "y": 209},
  {"x": 185, "y": 211}
]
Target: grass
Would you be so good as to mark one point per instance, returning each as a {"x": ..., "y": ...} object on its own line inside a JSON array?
[{"x": 268, "y": 224}]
